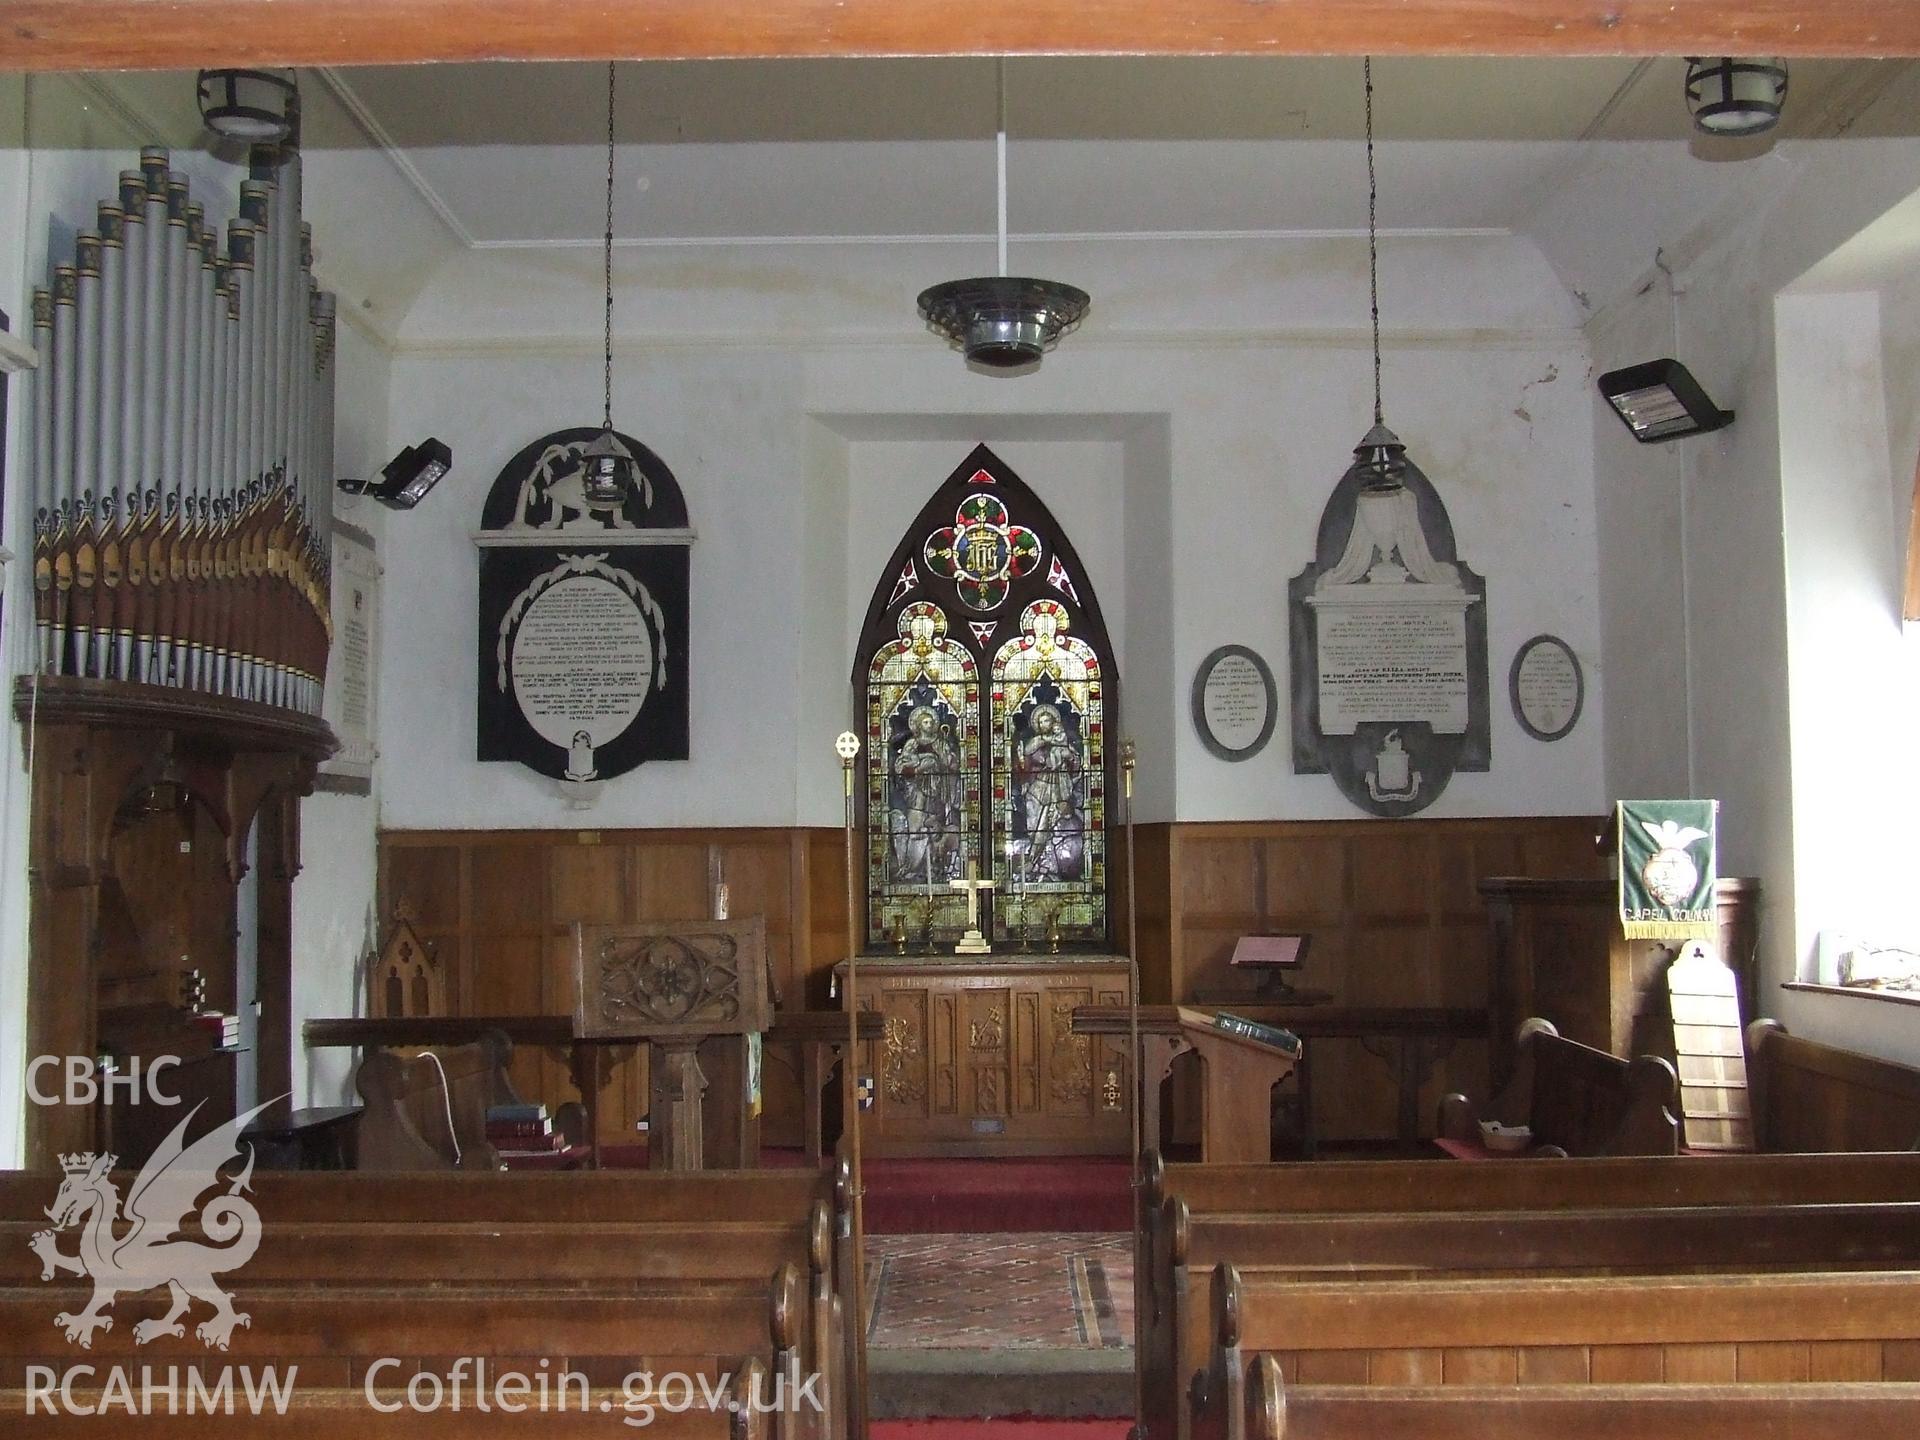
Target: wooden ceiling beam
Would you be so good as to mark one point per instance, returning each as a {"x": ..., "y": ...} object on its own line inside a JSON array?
[{"x": 185, "y": 34}]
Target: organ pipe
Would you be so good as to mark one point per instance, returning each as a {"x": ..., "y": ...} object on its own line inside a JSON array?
[{"x": 181, "y": 456}]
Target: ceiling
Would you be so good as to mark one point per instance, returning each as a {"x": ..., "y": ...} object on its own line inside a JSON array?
[{"x": 778, "y": 152}]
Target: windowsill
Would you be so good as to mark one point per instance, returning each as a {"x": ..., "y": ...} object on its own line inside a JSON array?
[{"x": 1897, "y": 997}]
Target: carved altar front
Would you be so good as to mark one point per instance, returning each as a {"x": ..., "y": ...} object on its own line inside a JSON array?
[{"x": 979, "y": 1057}]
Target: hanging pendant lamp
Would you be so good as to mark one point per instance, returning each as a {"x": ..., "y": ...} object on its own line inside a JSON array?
[
  {"x": 1003, "y": 322},
  {"x": 609, "y": 469},
  {"x": 1380, "y": 452}
]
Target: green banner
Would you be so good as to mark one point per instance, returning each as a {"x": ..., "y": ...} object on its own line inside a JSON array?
[{"x": 1667, "y": 868}]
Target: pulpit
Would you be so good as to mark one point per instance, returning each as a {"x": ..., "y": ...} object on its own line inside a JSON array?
[{"x": 695, "y": 993}]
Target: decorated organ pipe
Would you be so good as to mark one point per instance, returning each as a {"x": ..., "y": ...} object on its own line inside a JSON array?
[{"x": 182, "y": 447}]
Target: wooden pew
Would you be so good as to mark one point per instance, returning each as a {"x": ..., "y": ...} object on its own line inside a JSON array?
[
  {"x": 1576, "y": 1100},
  {"x": 1723, "y": 1239},
  {"x": 1279, "y": 1411},
  {"x": 428, "y": 1111},
  {"x": 611, "y": 1272},
  {"x": 1499, "y": 1335},
  {"x": 1414, "y": 1218},
  {"x": 1812, "y": 1097},
  {"x": 1593, "y": 1183}
]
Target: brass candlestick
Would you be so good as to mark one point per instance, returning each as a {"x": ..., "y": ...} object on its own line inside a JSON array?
[{"x": 1053, "y": 931}]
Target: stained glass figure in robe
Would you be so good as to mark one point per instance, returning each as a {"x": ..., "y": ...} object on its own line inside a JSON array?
[
  {"x": 1010, "y": 777},
  {"x": 1049, "y": 790},
  {"x": 923, "y": 787}
]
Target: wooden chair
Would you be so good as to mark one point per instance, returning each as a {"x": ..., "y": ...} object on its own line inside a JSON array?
[{"x": 1575, "y": 1099}]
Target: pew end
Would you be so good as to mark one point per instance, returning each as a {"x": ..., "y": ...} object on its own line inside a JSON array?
[
  {"x": 1575, "y": 1099},
  {"x": 1811, "y": 1098},
  {"x": 428, "y": 1111}
]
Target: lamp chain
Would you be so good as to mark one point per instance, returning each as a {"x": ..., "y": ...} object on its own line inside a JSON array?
[
  {"x": 607, "y": 256},
  {"x": 1373, "y": 248}
]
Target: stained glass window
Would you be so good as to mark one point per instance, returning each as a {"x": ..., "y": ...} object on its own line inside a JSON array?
[{"x": 984, "y": 687}]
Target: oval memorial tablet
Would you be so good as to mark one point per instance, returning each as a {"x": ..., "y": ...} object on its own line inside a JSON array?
[
  {"x": 1235, "y": 703},
  {"x": 1547, "y": 687},
  {"x": 582, "y": 662}
]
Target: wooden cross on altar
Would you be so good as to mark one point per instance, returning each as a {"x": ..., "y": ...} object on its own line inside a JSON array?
[{"x": 973, "y": 942}]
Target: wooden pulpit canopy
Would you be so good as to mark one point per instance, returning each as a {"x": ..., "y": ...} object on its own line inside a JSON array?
[{"x": 675, "y": 979}]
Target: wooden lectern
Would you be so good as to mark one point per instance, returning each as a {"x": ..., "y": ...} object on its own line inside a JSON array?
[
  {"x": 1242, "y": 1069},
  {"x": 688, "y": 990}
]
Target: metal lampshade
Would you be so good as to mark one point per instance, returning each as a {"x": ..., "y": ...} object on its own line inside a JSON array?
[
  {"x": 1003, "y": 322},
  {"x": 1732, "y": 96},
  {"x": 608, "y": 474},
  {"x": 1384, "y": 457},
  {"x": 259, "y": 107}
]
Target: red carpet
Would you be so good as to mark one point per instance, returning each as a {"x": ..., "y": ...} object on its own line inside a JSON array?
[
  {"x": 999, "y": 1429},
  {"x": 934, "y": 1197},
  {"x": 961, "y": 1197}
]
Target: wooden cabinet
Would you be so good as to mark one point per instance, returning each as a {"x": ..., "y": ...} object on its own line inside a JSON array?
[
  {"x": 979, "y": 1057},
  {"x": 1558, "y": 953}
]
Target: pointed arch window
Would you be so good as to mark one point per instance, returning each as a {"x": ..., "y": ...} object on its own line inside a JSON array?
[{"x": 985, "y": 688}]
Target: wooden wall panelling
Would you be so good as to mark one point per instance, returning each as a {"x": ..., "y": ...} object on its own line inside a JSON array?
[
  {"x": 278, "y": 866},
  {"x": 826, "y": 891},
  {"x": 499, "y": 905},
  {"x": 1395, "y": 916}
]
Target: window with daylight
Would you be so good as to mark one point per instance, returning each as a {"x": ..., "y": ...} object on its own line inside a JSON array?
[{"x": 985, "y": 687}]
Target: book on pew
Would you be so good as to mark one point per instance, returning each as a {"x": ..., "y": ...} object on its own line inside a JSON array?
[
  {"x": 516, "y": 1114},
  {"x": 529, "y": 1145},
  {"x": 223, "y": 1030},
  {"x": 1241, "y": 1028},
  {"x": 519, "y": 1129}
]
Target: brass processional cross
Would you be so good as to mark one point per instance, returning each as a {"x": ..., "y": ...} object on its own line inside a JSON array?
[{"x": 973, "y": 942}]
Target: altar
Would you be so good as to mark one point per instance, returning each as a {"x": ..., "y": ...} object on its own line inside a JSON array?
[
  {"x": 978, "y": 1055},
  {"x": 981, "y": 790}
]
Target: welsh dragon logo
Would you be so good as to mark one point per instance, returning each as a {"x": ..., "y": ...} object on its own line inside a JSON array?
[{"x": 125, "y": 1252}]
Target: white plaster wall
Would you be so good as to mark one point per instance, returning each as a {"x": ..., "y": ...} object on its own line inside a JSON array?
[
  {"x": 1190, "y": 464},
  {"x": 335, "y": 926},
  {"x": 1855, "y": 674},
  {"x": 1730, "y": 548},
  {"x": 1640, "y": 503},
  {"x": 1900, "y": 374}
]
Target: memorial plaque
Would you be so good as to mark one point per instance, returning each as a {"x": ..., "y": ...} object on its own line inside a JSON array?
[
  {"x": 583, "y": 617},
  {"x": 1235, "y": 703},
  {"x": 348, "y": 703},
  {"x": 1393, "y": 661},
  {"x": 1547, "y": 687},
  {"x": 1388, "y": 634}
]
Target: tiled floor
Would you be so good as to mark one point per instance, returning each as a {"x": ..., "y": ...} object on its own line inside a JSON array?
[{"x": 1034, "y": 1291}]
